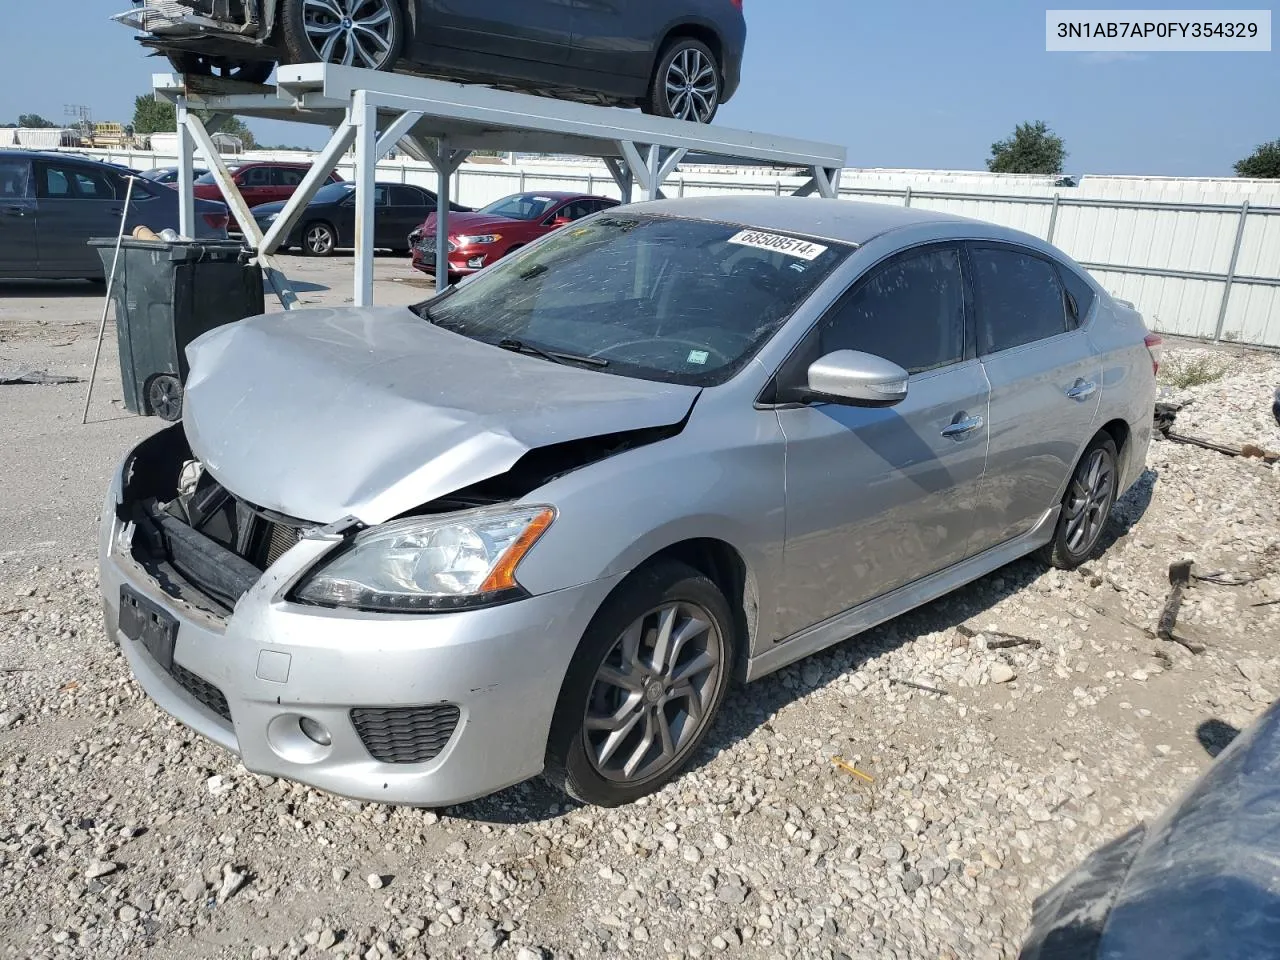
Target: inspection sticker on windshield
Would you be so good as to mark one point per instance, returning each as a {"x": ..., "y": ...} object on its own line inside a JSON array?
[
  {"x": 698, "y": 356},
  {"x": 779, "y": 244}
]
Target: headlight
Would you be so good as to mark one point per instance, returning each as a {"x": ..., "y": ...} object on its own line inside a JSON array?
[
  {"x": 479, "y": 241},
  {"x": 427, "y": 564}
]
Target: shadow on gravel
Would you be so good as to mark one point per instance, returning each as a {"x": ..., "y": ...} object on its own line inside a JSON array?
[
  {"x": 32, "y": 289},
  {"x": 1216, "y": 735},
  {"x": 750, "y": 707}
]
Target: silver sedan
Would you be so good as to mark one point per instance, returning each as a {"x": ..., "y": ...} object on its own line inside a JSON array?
[{"x": 536, "y": 525}]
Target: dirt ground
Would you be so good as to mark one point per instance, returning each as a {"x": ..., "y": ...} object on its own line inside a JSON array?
[{"x": 123, "y": 834}]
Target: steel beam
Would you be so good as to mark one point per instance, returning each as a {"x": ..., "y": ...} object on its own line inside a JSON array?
[
  {"x": 325, "y": 163},
  {"x": 621, "y": 174},
  {"x": 1231, "y": 269},
  {"x": 240, "y": 210},
  {"x": 398, "y": 129}
]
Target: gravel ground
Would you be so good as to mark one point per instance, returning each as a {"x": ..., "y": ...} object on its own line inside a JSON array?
[{"x": 122, "y": 834}]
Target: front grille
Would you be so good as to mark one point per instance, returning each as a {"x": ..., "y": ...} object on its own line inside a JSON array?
[
  {"x": 405, "y": 734},
  {"x": 202, "y": 690}
]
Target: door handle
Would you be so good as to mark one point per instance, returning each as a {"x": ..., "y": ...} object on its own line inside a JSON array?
[
  {"x": 1082, "y": 390},
  {"x": 961, "y": 428},
  {"x": 15, "y": 211}
]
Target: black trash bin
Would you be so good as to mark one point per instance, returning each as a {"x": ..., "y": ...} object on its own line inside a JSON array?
[{"x": 166, "y": 294}]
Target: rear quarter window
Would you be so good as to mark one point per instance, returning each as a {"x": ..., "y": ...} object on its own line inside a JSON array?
[{"x": 1082, "y": 295}]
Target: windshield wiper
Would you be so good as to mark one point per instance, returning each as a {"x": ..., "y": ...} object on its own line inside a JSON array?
[{"x": 555, "y": 356}]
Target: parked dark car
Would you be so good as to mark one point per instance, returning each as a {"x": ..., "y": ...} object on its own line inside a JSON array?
[
  {"x": 329, "y": 221},
  {"x": 168, "y": 175},
  {"x": 260, "y": 181},
  {"x": 51, "y": 204},
  {"x": 490, "y": 233},
  {"x": 1199, "y": 882},
  {"x": 672, "y": 58}
]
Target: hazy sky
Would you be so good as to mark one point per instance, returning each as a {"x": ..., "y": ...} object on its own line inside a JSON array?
[{"x": 915, "y": 83}]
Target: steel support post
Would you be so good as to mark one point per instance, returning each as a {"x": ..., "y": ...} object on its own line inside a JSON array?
[
  {"x": 446, "y": 162},
  {"x": 1053, "y": 218},
  {"x": 1231, "y": 270},
  {"x": 365, "y": 117},
  {"x": 240, "y": 210},
  {"x": 186, "y": 173}
]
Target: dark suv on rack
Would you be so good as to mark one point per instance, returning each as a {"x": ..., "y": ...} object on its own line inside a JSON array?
[{"x": 672, "y": 58}]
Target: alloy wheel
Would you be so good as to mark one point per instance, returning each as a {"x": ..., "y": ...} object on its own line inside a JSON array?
[
  {"x": 652, "y": 695},
  {"x": 693, "y": 89},
  {"x": 357, "y": 33},
  {"x": 319, "y": 240},
  {"x": 1089, "y": 501}
]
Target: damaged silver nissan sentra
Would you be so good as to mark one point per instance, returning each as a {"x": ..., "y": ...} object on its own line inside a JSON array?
[{"x": 537, "y": 524}]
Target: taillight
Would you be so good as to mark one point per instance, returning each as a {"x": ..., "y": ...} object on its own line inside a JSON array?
[{"x": 1155, "y": 347}]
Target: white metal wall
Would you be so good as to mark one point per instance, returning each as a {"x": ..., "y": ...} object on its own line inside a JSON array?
[{"x": 1166, "y": 244}]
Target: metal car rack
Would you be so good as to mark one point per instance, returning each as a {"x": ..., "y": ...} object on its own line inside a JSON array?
[{"x": 440, "y": 122}]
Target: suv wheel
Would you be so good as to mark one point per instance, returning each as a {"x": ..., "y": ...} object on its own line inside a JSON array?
[
  {"x": 687, "y": 83},
  {"x": 643, "y": 688},
  {"x": 318, "y": 239},
  {"x": 198, "y": 65},
  {"x": 1086, "y": 506},
  {"x": 356, "y": 33}
]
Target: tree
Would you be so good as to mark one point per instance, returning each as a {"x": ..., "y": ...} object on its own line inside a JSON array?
[
  {"x": 1033, "y": 148},
  {"x": 159, "y": 116},
  {"x": 153, "y": 116},
  {"x": 1263, "y": 162},
  {"x": 34, "y": 120}
]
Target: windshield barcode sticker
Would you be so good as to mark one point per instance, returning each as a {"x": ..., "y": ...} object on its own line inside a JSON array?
[{"x": 775, "y": 243}]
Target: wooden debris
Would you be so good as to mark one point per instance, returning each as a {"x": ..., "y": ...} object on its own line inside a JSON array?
[{"x": 1249, "y": 450}]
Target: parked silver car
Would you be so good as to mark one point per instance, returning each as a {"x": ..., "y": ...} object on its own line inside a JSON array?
[{"x": 536, "y": 524}]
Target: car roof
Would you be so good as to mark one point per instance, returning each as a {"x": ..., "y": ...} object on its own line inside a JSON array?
[
  {"x": 558, "y": 195},
  {"x": 839, "y": 220}
]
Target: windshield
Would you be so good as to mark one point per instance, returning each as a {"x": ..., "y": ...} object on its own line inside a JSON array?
[
  {"x": 333, "y": 192},
  {"x": 523, "y": 206},
  {"x": 208, "y": 177},
  {"x": 659, "y": 298}
]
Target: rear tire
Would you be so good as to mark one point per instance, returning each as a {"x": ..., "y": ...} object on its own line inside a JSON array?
[
  {"x": 372, "y": 37},
  {"x": 687, "y": 82},
  {"x": 1086, "y": 506},
  {"x": 634, "y": 709},
  {"x": 319, "y": 239},
  {"x": 245, "y": 71}
]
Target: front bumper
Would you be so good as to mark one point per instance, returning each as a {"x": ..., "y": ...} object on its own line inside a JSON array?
[
  {"x": 462, "y": 262},
  {"x": 275, "y": 662}
]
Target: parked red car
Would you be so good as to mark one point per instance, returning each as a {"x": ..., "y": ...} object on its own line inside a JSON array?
[
  {"x": 490, "y": 233},
  {"x": 260, "y": 181}
]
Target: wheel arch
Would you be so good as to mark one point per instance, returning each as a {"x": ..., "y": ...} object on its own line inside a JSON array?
[
  {"x": 694, "y": 29},
  {"x": 724, "y": 565}
]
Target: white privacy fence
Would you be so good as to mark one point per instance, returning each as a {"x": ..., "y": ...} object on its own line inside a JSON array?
[{"x": 1199, "y": 257}]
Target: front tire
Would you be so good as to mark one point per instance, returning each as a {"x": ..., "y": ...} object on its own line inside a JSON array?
[
  {"x": 355, "y": 33},
  {"x": 1086, "y": 506},
  {"x": 687, "y": 82},
  {"x": 643, "y": 688}
]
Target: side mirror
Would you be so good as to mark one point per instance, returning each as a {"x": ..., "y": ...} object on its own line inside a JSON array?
[{"x": 857, "y": 379}]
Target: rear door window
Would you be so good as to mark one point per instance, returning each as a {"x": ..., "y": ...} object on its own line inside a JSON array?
[
  {"x": 910, "y": 310},
  {"x": 403, "y": 196},
  {"x": 92, "y": 185},
  {"x": 257, "y": 177},
  {"x": 287, "y": 176},
  {"x": 1019, "y": 297}
]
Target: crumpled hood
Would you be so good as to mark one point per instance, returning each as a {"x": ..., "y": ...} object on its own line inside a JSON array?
[{"x": 370, "y": 412}]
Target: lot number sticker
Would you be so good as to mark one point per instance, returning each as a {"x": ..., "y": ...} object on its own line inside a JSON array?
[{"x": 776, "y": 243}]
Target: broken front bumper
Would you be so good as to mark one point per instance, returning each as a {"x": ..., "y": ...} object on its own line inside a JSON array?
[{"x": 474, "y": 689}]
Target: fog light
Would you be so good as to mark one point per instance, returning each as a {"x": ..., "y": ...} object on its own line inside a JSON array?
[
  {"x": 314, "y": 731},
  {"x": 475, "y": 263}
]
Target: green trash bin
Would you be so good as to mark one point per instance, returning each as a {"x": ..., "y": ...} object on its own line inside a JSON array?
[{"x": 167, "y": 294}]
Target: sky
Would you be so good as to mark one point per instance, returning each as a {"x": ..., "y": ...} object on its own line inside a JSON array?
[{"x": 911, "y": 83}]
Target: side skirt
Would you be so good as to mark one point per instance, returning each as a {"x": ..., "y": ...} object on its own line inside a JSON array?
[{"x": 887, "y": 606}]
